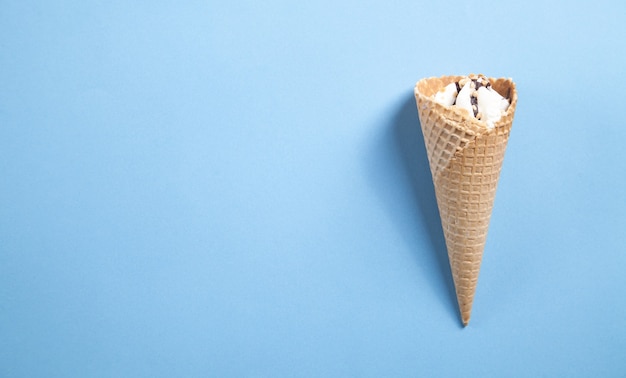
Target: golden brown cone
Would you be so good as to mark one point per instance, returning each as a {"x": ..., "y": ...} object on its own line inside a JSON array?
[{"x": 465, "y": 160}]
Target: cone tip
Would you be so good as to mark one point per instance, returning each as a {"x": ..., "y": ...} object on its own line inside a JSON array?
[{"x": 465, "y": 320}]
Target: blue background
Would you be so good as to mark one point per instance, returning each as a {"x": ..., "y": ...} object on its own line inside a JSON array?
[{"x": 241, "y": 189}]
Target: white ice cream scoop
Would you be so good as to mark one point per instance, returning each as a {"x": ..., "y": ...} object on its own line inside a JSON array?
[
  {"x": 447, "y": 97},
  {"x": 474, "y": 94}
]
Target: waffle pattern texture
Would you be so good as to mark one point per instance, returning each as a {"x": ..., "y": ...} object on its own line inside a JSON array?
[{"x": 465, "y": 159}]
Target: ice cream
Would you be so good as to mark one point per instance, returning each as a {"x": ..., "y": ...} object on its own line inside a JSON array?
[
  {"x": 466, "y": 122},
  {"x": 474, "y": 94}
]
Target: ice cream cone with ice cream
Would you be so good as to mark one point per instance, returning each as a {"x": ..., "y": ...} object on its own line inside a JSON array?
[{"x": 466, "y": 121}]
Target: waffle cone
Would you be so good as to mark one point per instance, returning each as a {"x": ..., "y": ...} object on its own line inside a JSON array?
[{"x": 465, "y": 160}]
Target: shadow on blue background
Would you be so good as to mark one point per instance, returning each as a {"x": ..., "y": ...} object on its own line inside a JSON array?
[{"x": 403, "y": 145}]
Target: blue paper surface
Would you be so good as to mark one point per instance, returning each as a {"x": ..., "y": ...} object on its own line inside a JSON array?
[{"x": 205, "y": 188}]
